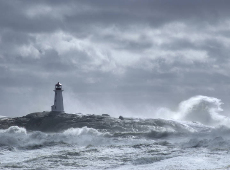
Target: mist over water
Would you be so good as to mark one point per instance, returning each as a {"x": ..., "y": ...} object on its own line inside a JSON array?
[{"x": 194, "y": 136}]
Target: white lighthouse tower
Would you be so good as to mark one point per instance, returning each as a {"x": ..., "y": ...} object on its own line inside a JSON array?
[{"x": 58, "y": 99}]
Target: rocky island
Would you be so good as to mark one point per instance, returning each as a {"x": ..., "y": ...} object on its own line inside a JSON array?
[
  {"x": 59, "y": 122},
  {"x": 55, "y": 122}
]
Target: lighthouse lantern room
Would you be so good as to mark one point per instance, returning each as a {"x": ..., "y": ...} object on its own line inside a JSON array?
[{"x": 58, "y": 99}]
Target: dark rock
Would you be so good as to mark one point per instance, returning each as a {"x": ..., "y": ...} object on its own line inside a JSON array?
[
  {"x": 55, "y": 121},
  {"x": 106, "y": 115},
  {"x": 121, "y": 117}
]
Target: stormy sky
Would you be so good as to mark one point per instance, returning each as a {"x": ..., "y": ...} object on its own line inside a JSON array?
[{"x": 122, "y": 57}]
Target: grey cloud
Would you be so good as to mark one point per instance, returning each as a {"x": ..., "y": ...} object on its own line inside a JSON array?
[{"x": 131, "y": 54}]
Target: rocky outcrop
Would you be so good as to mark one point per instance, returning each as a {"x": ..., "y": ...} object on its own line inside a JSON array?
[{"x": 55, "y": 121}]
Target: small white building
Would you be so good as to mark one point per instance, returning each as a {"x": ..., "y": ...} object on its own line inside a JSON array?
[{"x": 58, "y": 99}]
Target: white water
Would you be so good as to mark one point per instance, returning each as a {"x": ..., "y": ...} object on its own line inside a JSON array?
[
  {"x": 185, "y": 143},
  {"x": 203, "y": 109}
]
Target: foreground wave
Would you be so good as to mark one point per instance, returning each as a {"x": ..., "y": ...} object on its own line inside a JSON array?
[
  {"x": 18, "y": 137},
  {"x": 188, "y": 134},
  {"x": 188, "y": 144}
]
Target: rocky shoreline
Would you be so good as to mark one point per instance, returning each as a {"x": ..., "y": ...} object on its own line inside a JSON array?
[
  {"x": 58, "y": 122},
  {"x": 55, "y": 122}
]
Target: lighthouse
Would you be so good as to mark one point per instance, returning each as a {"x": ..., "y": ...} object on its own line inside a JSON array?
[{"x": 58, "y": 99}]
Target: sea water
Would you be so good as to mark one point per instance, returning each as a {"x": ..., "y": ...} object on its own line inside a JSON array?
[
  {"x": 191, "y": 146},
  {"x": 190, "y": 142}
]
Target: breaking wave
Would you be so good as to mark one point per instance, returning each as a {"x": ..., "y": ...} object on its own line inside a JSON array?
[
  {"x": 190, "y": 135},
  {"x": 18, "y": 137},
  {"x": 203, "y": 109}
]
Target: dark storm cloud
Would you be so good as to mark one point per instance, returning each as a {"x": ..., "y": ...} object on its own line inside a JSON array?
[{"x": 112, "y": 55}]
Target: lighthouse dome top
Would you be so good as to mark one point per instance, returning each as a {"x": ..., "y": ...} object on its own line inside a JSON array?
[{"x": 58, "y": 84}]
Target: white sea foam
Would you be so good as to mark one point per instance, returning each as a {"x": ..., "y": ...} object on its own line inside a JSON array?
[
  {"x": 196, "y": 140},
  {"x": 203, "y": 109},
  {"x": 88, "y": 148},
  {"x": 18, "y": 137}
]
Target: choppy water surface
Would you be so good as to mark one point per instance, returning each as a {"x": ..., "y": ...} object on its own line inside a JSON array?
[
  {"x": 136, "y": 144},
  {"x": 125, "y": 144}
]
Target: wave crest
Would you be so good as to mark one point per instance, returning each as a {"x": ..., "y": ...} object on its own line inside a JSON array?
[
  {"x": 204, "y": 109},
  {"x": 18, "y": 137}
]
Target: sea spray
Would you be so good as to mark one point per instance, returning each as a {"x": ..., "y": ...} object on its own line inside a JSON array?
[{"x": 203, "y": 109}]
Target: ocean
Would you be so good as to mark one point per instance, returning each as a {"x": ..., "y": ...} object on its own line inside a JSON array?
[
  {"x": 134, "y": 143},
  {"x": 175, "y": 145}
]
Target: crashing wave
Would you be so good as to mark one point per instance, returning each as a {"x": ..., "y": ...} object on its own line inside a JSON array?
[
  {"x": 18, "y": 137},
  {"x": 203, "y": 109}
]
